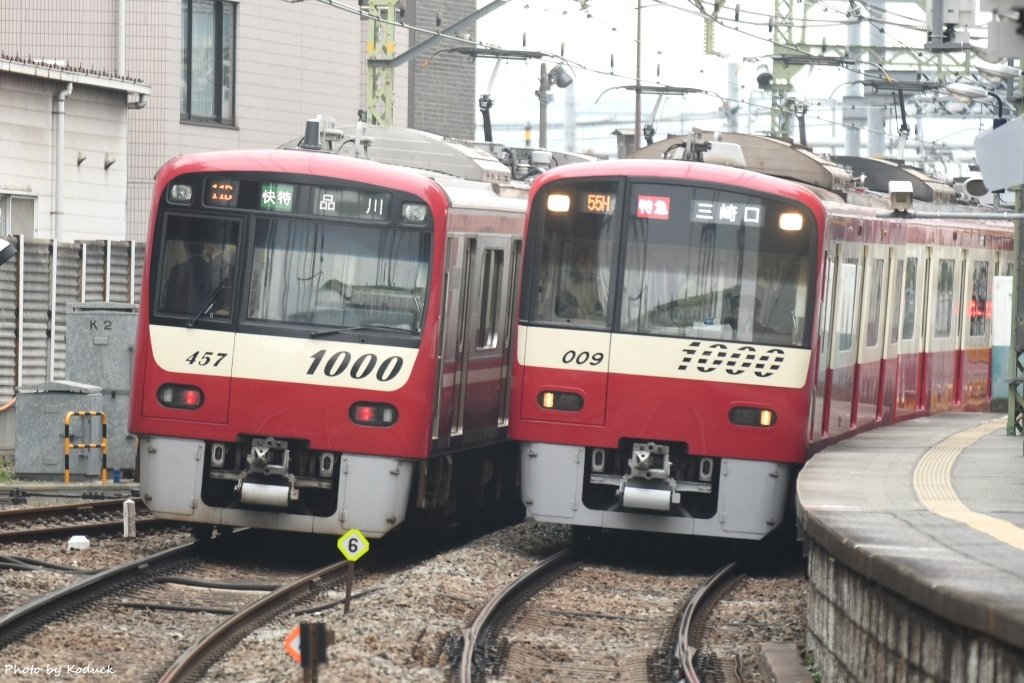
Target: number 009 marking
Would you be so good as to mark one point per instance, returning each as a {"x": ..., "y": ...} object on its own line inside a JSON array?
[{"x": 582, "y": 358}]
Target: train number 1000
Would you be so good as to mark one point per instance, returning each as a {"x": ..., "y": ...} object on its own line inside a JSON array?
[{"x": 363, "y": 366}]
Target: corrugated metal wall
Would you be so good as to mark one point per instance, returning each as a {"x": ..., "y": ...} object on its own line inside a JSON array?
[{"x": 96, "y": 270}]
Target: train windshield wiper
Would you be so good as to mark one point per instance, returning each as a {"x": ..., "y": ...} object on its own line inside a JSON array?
[
  {"x": 210, "y": 301},
  {"x": 357, "y": 328}
]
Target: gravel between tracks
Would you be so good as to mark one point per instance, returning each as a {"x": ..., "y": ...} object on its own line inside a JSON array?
[{"x": 403, "y": 625}]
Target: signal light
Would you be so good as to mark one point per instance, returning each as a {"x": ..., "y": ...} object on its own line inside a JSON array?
[
  {"x": 180, "y": 396},
  {"x": 373, "y": 414},
  {"x": 560, "y": 400},
  {"x": 752, "y": 417}
]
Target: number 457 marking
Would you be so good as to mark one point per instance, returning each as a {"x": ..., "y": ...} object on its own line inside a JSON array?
[{"x": 205, "y": 358}]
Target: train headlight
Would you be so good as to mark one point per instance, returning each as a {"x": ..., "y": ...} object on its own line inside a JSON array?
[
  {"x": 414, "y": 212},
  {"x": 560, "y": 400},
  {"x": 180, "y": 193},
  {"x": 558, "y": 203},
  {"x": 791, "y": 222},
  {"x": 180, "y": 396},
  {"x": 373, "y": 414},
  {"x": 752, "y": 417}
]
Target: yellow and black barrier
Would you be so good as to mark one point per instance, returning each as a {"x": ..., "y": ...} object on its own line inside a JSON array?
[{"x": 102, "y": 445}]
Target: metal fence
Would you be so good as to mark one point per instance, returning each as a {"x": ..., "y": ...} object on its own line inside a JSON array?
[{"x": 36, "y": 287}]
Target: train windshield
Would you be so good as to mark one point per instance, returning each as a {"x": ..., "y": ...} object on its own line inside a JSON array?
[
  {"x": 339, "y": 276},
  {"x": 198, "y": 265},
  {"x": 673, "y": 260}
]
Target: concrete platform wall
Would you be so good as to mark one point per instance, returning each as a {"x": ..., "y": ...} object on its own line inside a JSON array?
[{"x": 859, "y": 631}]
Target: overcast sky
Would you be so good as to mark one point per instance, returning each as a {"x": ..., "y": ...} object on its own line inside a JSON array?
[{"x": 598, "y": 39}]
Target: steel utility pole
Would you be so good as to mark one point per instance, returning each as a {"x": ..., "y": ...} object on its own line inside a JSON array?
[{"x": 636, "y": 117}]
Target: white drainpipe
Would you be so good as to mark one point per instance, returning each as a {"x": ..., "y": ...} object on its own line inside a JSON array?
[
  {"x": 58, "y": 218},
  {"x": 120, "y": 38}
]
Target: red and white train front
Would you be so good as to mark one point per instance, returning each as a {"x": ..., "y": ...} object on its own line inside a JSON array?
[
  {"x": 286, "y": 371},
  {"x": 663, "y": 372}
]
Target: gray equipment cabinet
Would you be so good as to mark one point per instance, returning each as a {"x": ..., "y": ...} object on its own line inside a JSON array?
[
  {"x": 40, "y": 431},
  {"x": 100, "y": 346}
]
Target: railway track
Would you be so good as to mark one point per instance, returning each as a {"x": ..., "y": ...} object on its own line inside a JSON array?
[
  {"x": 627, "y": 624},
  {"x": 72, "y": 518},
  {"x": 164, "y": 617}
]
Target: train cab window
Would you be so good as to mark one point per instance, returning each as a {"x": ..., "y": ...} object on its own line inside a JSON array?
[
  {"x": 196, "y": 266},
  {"x": 909, "y": 300},
  {"x": 575, "y": 228},
  {"x": 715, "y": 264},
  {"x": 978, "y": 307},
  {"x": 944, "y": 299},
  {"x": 338, "y": 277}
]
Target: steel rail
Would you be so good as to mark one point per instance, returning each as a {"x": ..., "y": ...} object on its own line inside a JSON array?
[
  {"x": 560, "y": 560},
  {"x": 190, "y": 663}
]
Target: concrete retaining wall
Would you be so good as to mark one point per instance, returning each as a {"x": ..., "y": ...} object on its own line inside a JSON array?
[{"x": 859, "y": 631}]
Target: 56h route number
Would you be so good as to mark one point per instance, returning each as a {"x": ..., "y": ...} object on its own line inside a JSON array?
[{"x": 353, "y": 545}]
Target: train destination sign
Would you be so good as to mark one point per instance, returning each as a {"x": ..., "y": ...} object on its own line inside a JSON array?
[{"x": 727, "y": 213}]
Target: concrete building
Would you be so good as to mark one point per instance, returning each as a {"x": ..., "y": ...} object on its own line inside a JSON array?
[{"x": 167, "y": 77}]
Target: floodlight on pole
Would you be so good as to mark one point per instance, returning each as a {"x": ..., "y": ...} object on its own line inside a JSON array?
[
  {"x": 559, "y": 77},
  {"x": 971, "y": 93}
]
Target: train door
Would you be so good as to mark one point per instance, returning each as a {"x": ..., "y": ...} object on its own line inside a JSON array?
[
  {"x": 911, "y": 366},
  {"x": 845, "y": 335},
  {"x": 869, "y": 354},
  {"x": 944, "y": 275},
  {"x": 975, "y": 358},
  {"x": 820, "y": 418},
  {"x": 472, "y": 404},
  {"x": 891, "y": 335}
]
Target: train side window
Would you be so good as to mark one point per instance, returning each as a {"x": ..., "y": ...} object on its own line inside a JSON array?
[
  {"x": 846, "y": 304},
  {"x": 909, "y": 299},
  {"x": 894, "y": 305},
  {"x": 874, "y": 303},
  {"x": 490, "y": 297},
  {"x": 944, "y": 299},
  {"x": 979, "y": 303}
]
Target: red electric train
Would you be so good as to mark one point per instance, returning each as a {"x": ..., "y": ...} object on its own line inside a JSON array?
[
  {"x": 323, "y": 341},
  {"x": 691, "y": 331}
]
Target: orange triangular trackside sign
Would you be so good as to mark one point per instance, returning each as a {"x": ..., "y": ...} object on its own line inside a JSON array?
[{"x": 292, "y": 644}]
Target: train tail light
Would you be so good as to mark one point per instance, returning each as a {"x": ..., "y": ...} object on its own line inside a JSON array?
[
  {"x": 752, "y": 417},
  {"x": 560, "y": 400},
  {"x": 180, "y": 396},
  {"x": 373, "y": 414}
]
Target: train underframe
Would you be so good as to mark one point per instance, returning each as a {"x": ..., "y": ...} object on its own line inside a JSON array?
[
  {"x": 649, "y": 486},
  {"x": 272, "y": 483}
]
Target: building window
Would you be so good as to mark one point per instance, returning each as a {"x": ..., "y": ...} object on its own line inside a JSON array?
[
  {"x": 17, "y": 215},
  {"x": 208, "y": 61}
]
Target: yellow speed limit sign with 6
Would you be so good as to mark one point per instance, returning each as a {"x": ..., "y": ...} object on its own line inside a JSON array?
[{"x": 353, "y": 545}]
